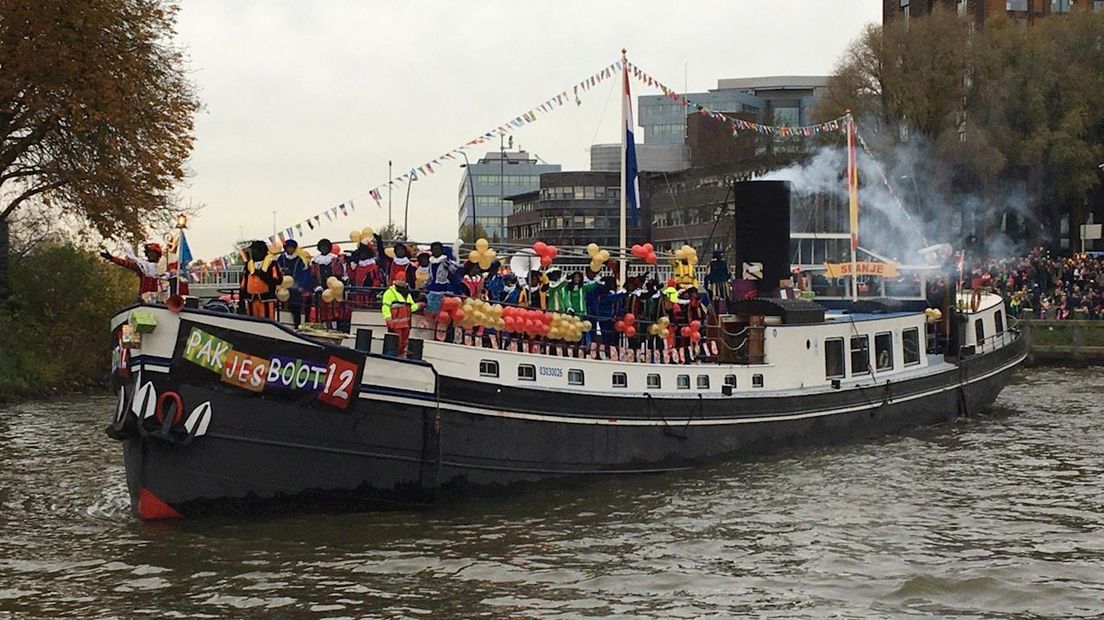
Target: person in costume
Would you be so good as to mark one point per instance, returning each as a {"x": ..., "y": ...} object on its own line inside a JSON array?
[
  {"x": 261, "y": 276},
  {"x": 397, "y": 306},
  {"x": 443, "y": 270},
  {"x": 493, "y": 282},
  {"x": 718, "y": 277},
  {"x": 608, "y": 308},
  {"x": 295, "y": 262},
  {"x": 324, "y": 266},
  {"x": 149, "y": 274},
  {"x": 554, "y": 298},
  {"x": 683, "y": 273},
  {"x": 512, "y": 292},
  {"x": 535, "y": 294},
  {"x": 472, "y": 281},
  {"x": 398, "y": 262},
  {"x": 363, "y": 267}
]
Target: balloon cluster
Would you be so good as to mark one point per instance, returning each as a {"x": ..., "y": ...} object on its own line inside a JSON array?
[
  {"x": 598, "y": 256},
  {"x": 335, "y": 290},
  {"x": 283, "y": 292},
  {"x": 692, "y": 331},
  {"x": 363, "y": 236},
  {"x": 661, "y": 328},
  {"x": 687, "y": 253},
  {"x": 626, "y": 325},
  {"x": 553, "y": 325},
  {"x": 547, "y": 253},
  {"x": 645, "y": 253},
  {"x": 483, "y": 254}
]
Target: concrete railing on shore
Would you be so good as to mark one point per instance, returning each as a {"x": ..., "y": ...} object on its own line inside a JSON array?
[{"x": 1063, "y": 342}]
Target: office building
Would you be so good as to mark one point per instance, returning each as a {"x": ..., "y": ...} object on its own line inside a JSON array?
[
  {"x": 979, "y": 10},
  {"x": 649, "y": 157},
  {"x": 486, "y": 183},
  {"x": 571, "y": 208}
]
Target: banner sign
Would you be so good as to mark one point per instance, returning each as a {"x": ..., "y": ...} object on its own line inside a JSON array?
[
  {"x": 207, "y": 355},
  {"x": 843, "y": 270}
]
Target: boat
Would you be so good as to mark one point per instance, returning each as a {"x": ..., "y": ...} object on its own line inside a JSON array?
[{"x": 221, "y": 413}]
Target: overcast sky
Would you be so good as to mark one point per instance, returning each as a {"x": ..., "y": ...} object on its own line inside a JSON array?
[{"x": 305, "y": 102}]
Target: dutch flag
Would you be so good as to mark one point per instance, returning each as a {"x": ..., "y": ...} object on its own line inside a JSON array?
[{"x": 632, "y": 187}]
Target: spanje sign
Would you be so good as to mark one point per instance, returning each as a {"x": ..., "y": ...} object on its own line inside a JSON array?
[
  {"x": 298, "y": 372},
  {"x": 843, "y": 270}
]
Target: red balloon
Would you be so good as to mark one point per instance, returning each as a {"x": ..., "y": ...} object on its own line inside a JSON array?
[
  {"x": 443, "y": 317},
  {"x": 540, "y": 247},
  {"x": 695, "y": 325},
  {"x": 650, "y": 258},
  {"x": 630, "y": 331},
  {"x": 543, "y": 329},
  {"x": 335, "y": 250},
  {"x": 685, "y": 331},
  {"x": 630, "y": 318},
  {"x": 552, "y": 251},
  {"x": 546, "y": 261},
  {"x": 546, "y": 317},
  {"x": 458, "y": 315},
  {"x": 648, "y": 248},
  {"x": 508, "y": 323},
  {"x": 636, "y": 249},
  {"x": 619, "y": 326},
  {"x": 696, "y": 336},
  {"x": 531, "y": 327}
]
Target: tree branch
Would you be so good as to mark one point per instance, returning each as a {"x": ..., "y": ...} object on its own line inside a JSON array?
[{"x": 34, "y": 191}]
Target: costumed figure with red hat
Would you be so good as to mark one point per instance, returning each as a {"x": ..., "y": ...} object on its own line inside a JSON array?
[
  {"x": 396, "y": 260},
  {"x": 150, "y": 275},
  {"x": 295, "y": 262},
  {"x": 327, "y": 264},
  {"x": 259, "y": 280},
  {"x": 397, "y": 306}
]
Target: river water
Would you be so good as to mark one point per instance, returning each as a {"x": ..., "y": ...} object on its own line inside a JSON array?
[{"x": 998, "y": 516}]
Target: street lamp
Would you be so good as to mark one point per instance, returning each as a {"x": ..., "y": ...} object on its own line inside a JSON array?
[{"x": 471, "y": 190}]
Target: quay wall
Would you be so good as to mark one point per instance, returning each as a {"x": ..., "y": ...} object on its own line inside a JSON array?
[{"x": 1068, "y": 342}]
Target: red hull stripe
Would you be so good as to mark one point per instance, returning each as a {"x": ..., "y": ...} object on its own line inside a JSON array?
[{"x": 151, "y": 508}]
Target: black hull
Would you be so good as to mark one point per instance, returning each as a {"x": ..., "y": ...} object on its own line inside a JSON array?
[{"x": 400, "y": 450}]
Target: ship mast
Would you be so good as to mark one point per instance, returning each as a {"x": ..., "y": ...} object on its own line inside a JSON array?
[
  {"x": 624, "y": 146},
  {"x": 853, "y": 203}
]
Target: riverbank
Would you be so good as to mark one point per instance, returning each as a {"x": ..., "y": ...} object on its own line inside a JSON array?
[{"x": 1063, "y": 343}]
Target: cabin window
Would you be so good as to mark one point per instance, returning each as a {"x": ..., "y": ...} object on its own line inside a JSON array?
[
  {"x": 730, "y": 380},
  {"x": 834, "y": 365},
  {"x": 998, "y": 322},
  {"x": 860, "y": 354},
  {"x": 620, "y": 380},
  {"x": 653, "y": 382},
  {"x": 756, "y": 381},
  {"x": 883, "y": 351},
  {"x": 703, "y": 382},
  {"x": 910, "y": 342},
  {"x": 683, "y": 382},
  {"x": 979, "y": 331},
  {"x": 488, "y": 368},
  {"x": 575, "y": 377},
  {"x": 527, "y": 372}
]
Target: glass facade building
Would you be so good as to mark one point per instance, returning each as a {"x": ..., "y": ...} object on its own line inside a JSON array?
[{"x": 485, "y": 185}]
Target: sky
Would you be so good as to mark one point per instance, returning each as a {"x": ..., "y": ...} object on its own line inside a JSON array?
[{"x": 304, "y": 103}]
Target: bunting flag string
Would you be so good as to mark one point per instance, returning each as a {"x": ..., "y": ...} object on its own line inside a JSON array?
[
  {"x": 737, "y": 124},
  {"x": 545, "y": 107}
]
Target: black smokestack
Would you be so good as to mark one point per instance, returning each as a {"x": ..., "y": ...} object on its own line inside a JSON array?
[{"x": 762, "y": 230}]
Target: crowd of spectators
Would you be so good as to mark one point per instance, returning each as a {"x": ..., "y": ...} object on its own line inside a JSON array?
[{"x": 1053, "y": 287}]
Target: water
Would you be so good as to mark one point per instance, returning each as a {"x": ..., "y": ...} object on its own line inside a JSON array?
[{"x": 999, "y": 516}]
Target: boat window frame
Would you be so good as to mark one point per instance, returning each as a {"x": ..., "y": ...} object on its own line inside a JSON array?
[
  {"x": 531, "y": 368},
  {"x": 979, "y": 331},
  {"x": 757, "y": 380},
  {"x": 679, "y": 385},
  {"x": 877, "y": 353},
  {"x": 998, "y": 323},
  {"x": 698, "y": 383},
  {"x": 571, "y": 372},
  {"x": 915, "y": 332},
  {"x": 865, "y": 348},
  {"x": 491, "y": 364},
  {"x": 842, "y": 358},
  {"x": 624, "y": 380},
  {"x": 658, "y": 381},
  {"x": 735, "y": 381}
]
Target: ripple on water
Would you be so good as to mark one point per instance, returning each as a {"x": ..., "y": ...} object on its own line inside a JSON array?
[{"x": 1000, "y": 515}]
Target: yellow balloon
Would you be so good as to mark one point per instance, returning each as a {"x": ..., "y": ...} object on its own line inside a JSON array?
[
  {"x": 367, "y": 233},
  {"x": 553, "y": 332},
  {"x": 474, "y": 256},
  {"x": 595, "y": 265},
  {"x": 283, "y": 294},
  {"x": 664, "y": 321},
  {"x": 288, "y": 281},
  {"x": 484, "y": 263},
  {"x": 664, "y": 333},
  {"x": 338, "y": 287},
  {"x": 592, "y": 249},
  {"x": 389, "y": 252},
  {"x": 490, "y": 254},
  {"x": 604, "y": 255},
  {"x": 653, "y": 329},
  {"x": 332, "y": 282},
  {"x": 587, "y": 326},
  {"x": 482, "y": 245},
  {"x": 275, "y": 248},
  {"x": 355, "y": 236},
  {"x": 328, "y": 295}
]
